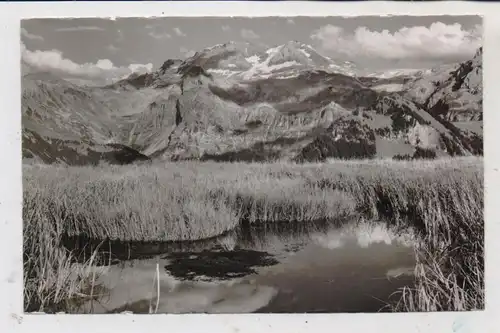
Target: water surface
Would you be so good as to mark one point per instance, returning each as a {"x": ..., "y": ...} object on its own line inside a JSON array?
[{"x": 283, "y": 267}]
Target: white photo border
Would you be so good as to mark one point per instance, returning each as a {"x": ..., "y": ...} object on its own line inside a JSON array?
[{"x": 13, "y": 318}]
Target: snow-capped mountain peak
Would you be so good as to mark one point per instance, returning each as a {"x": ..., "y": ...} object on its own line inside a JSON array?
[
  {"x": 284, "y": 60},
  {"x": 291, "y": 51},
  {"x": 235, "y": 61}
]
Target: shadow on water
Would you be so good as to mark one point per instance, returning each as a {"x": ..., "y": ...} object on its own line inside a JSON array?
[
  {"x": 264, "y": 267},
  {"x": 113, "y": 252},
  {"x": 217, "y": 264}
]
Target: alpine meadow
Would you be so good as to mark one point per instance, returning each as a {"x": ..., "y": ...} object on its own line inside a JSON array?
[{"x": 266, "y": 165}]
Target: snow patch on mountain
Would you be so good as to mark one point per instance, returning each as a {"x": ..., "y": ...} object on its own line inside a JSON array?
[
  {"x": 398, "y": 72},
  {"x": 391, "y": 87},
  {"x": 254, "y": 60},
  {"x": 264, "y": 68},
  {"x": 222, "y": 72}
]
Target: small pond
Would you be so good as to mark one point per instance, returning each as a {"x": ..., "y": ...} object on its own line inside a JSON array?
[{"x": 271, "y": 268}]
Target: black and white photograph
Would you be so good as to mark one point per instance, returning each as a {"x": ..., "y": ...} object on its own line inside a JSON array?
[{"x": 228, "y": 165}]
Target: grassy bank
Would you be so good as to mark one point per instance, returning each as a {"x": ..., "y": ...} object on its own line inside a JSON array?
[{"x": 442, "y": 199}]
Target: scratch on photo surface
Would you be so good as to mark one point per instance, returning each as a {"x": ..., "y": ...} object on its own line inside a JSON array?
[{"x": 17, "y": 317}]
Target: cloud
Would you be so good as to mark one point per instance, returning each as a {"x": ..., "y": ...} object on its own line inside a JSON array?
[
  {"x": 437, "y": 41},
  {"x": 80, "y": 28},
  {"x": 28, "y": 35},
  {"x": 179, "y": 32},
  {"x": 290, "y": 21},
  {"x": 226, "y": 28},
  {"x": 154, "y": 32},
  {"x": 102, "y": 70},
  {"x": 140, "y": 68},
  {"x": 159, "y": 35},
  {"x": 249, "y": 34}
]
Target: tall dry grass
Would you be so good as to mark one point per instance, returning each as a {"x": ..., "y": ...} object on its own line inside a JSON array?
[
  {"x": 51, "y": 281},
  {"x": 442, "y": 199},
  {"x": 172, "y": 202}
]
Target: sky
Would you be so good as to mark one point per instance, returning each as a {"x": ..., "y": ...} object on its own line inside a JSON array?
[{"x": 105, "y": 49}]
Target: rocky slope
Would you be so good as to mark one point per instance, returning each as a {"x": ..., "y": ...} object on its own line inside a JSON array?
[
  {"x": 50, "y": 150},
  {"x": 236, "y": 102},
  {"x": 66, "y": 123},
  {"x": 454, "y": 93}
]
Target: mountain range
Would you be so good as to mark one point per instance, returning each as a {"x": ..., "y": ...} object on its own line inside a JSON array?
[{"x": 242, "y": 102}]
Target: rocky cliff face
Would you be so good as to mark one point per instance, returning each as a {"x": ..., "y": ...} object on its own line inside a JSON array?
[
  {"x": 454, "y": 93},
  {"x": 187, "y": 110}
]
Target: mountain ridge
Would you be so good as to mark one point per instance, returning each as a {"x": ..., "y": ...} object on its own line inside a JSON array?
[{"x": 305, "y": 111}]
